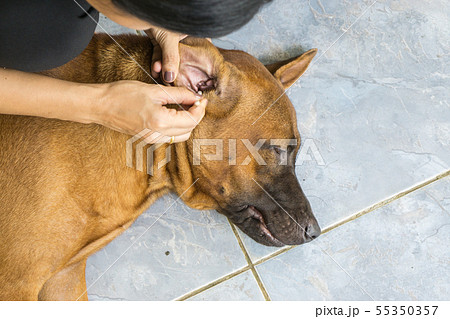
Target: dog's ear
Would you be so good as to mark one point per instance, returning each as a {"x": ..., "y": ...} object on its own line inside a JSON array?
[
  {"x": 199, "y": 64},
  {"x": 288, "y": 71}
]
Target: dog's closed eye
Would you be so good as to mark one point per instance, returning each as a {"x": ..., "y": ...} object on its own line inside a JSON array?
[{"x": 283, "y": 154}]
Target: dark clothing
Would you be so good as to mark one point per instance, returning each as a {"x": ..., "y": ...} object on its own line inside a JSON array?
[{"x": 37, "y": 35}]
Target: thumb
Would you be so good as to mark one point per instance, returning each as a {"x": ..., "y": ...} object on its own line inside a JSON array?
[
  {"x": 170, "y": 58},
  {"x": 176, "y": 95}
]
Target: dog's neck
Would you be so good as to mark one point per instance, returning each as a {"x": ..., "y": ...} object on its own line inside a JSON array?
[{"x": 176, "y": 175}]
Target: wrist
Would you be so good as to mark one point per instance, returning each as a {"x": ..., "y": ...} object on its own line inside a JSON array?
[{"x": 89, "y": 101}]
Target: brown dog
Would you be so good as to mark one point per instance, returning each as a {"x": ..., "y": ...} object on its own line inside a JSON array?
[{"x": 66, "y": 190}]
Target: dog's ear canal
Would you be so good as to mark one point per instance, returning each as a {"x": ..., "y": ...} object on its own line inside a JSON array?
[
  {"x": 288, "y": 71},
  {"x": 198, "y": 65}
]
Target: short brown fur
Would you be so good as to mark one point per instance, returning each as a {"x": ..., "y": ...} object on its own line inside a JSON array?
[{"x": 66, "y": 191}]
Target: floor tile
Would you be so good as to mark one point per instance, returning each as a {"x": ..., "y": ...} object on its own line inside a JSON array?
[
  {"x": 184, "y": 250},
  {"x": 398, "y": 252},
  {"x": 106, "y": 25},
  {"x": 374, "y": 106},
  {"x": 240, "y": 288}
]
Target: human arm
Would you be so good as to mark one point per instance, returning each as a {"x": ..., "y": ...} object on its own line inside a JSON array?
[{"x": 125, "y": 106}]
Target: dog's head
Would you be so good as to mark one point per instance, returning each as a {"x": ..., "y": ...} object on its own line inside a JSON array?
[{"x": 243, "y": 152}]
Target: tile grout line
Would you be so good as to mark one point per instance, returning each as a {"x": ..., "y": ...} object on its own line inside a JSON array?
[
  {"x": 363, "y": 212},
  {"x": 250, "y": 263},
  {"x": 387, "y": 201},
  {"x": 212, "y": 284},
  {"x": 231, "y": 275},
  {"x": 260, "y": 284}
]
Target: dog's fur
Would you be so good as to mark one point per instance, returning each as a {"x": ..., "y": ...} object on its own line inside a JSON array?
[{"x": 66, "y": 191}]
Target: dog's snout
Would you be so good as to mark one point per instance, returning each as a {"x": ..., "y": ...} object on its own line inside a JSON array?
[{"x": 312, "y": 230}]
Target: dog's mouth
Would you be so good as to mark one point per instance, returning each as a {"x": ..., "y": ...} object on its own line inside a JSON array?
[{"x": 251, "y": 221}]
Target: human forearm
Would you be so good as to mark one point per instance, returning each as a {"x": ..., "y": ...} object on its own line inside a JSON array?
[
  {"x": 124, "y": 106},
  {"x": 37, "y": 95}
]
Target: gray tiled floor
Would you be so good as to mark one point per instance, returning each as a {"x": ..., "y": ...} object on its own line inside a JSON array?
[
  {"x": 375, "y": 104},
  {"x": 184, "y": 249},
  {"x": 398, "y": 252},
  {"x": 240, "y": 288}
]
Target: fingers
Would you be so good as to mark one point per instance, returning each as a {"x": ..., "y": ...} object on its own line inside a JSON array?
[
  {"x": 136, "y": 107},
  {"x": 176, "y": 95},
  {"x": 182, "y": 138},
  {"x": 188, "y": 119},
  {"x": 156, "y": 69},
  {"x": 198, "y": 110},
  {"x": 176, "y": 139},
  {"x": 178, "y": 123},
  {"x": 172, "y": 122},
  {"x": 156, "y": 62},
  {"x": 166, "y": 57},
  {"x": 170, "y": 58},
  {"x": 158, "y": 138}
]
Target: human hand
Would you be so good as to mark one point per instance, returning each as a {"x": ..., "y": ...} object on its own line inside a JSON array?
[
  {"x": 166, "y": 57},
  {"x": 132, "y": 106}
]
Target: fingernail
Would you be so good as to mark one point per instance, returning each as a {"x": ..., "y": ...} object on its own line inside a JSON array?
[
  {"x": 169, "y": 76},
  {"x": 197, "y": 103}
]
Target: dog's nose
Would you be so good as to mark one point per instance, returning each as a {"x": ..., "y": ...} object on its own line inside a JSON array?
[{"x": 312, "y": 231}]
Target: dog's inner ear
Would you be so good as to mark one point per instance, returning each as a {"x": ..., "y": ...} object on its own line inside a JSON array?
[
  {"x": 196, "y": 79},
  {"x": 198, "y": 66},
  {"x": 288, "y": 71}
]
